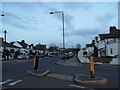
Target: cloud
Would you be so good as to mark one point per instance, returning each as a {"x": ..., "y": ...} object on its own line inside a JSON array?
[
  {"x": 105, "y": 21},
  {"x": 74, "y": 5},
  {"x": 28, "y": 6},
  {"x": 83, "y": 32},
  {"x": 105, "y": 18},
  {"x": 19, "y": 22}
]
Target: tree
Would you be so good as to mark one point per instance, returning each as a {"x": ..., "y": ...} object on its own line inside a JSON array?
[
  {"x": 78, "y": 46},
  {"x": 52, "y": 45}
]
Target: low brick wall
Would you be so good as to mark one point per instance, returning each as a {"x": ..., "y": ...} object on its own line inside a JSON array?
[{"x": 102, "y": 59}]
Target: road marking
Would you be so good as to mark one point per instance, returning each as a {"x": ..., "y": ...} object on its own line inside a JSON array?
[
  {"x": 13, "y": 83},
  {"x": 76, "y": 86},
  {"x": 5, "y": 81}
]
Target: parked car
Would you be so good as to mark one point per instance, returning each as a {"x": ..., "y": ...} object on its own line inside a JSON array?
[
  {"x": 31, "y": 56},
  {"x": 50, "y": 55},
  {"x": 40, "y": 56},
  {"x": 70, "y": 54},
  {"x": 20, "y": 57},
  {"x": 65, "y": 56}
]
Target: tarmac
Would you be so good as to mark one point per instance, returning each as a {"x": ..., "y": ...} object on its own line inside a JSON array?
[{"x": 78, "y": 78}]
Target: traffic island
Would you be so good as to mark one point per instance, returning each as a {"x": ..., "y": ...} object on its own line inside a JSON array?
[
  {"x": 61, "y": 77},
  {"x": 47, "y": 73},
  {"x": 38, "y": 73},
  {"x": 86, "y": 80}
]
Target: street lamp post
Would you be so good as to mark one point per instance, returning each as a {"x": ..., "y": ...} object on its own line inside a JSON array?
[
  {"x": 5, "y": 39},
  {"x": 62, "y": 25},
  {"x": 5, "y": 35},
  {"x": 5, "y": 42}
]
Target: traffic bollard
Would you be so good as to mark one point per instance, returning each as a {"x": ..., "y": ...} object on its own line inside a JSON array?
[
  {"x": 92, "y": 66},
  {"x": 35, "y": 63}
]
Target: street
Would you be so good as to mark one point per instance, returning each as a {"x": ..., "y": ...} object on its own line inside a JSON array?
[{"x": 14, "y": 74}]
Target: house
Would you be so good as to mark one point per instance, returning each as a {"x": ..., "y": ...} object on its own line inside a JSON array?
[
  {"x": 104, "y": 48},
  {"x": 40, "y": 48},
  {"x": 89, "y": 49},
  {"x": 108, "y": 44},
  {"x": 24, "y": 47},
  {"x": 8, "y": 46}
]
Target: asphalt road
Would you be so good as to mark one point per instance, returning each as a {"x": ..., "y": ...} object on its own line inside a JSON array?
[{"x": 14, "y": 74}]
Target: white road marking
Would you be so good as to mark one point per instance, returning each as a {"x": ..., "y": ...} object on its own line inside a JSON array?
[
  {"x": 76, "y": 86},
  {"x": 13, "y": 83},
  {"x": 5, "y": 81}
]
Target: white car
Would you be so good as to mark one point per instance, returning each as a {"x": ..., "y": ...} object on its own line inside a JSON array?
[{"x": 20, "y": 57}]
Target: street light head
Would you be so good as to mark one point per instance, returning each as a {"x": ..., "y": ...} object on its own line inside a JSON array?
[
  {"x": 2, "y": 14},
  {"x": 51, "y": 12},
  {"x": 5, "y": 31}
]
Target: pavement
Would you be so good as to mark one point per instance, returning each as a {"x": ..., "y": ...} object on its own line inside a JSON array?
[
  {"x": 70, "y": 62},
  {"x": 78, "y": 78}
]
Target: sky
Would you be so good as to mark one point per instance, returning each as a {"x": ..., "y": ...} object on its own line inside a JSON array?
[{"x": 32, "y": 21}]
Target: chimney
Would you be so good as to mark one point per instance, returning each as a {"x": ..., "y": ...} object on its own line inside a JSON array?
[
  {"x": 112, "y": 28},
  {"x": 1, "y": 39},
  {"x": 96, "y": 38}
]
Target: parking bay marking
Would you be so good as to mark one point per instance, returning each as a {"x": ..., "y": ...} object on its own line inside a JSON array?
[
  {"x": 1, "y": 83},
  {"x": 13, "y": 83}
]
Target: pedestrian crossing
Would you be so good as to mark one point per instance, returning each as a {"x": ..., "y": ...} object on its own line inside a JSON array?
[{"x": 10, "y": 82}]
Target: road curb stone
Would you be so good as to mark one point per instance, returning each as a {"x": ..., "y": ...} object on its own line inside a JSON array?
[
  {"x": 83, "y": 79},
  {"x": 61, "y": 77},
  {"x": 43, "y": 74}
]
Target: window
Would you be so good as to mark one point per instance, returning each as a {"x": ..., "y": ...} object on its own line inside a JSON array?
[
  {"x": 111, "y": 51},
  {"x": 114, "y": 39},
  {"x": 11, "y": 50}
]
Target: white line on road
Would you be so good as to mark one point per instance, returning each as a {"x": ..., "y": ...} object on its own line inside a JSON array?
[
  {"x": 13, "y": 83},
  {"x": 5, "y": 81},
  {"x": 76, "y": 86}
]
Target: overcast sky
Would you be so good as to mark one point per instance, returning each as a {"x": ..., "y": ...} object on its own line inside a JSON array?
[{"x": 32, "y": 22}]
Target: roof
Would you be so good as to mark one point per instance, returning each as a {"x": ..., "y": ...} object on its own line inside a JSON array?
[
  {"x": 89, "y": 45},
  {"x": 24, "y": 45},
  {"x": 40, "y": 47},
  {"x": 8, "y": 45},
  {"x": 112, "y": 34}
]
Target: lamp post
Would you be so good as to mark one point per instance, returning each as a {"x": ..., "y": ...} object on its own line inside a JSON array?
[
  {"x": 62, "y": 25},
  {"x": 5, "y": 40},
  {"x": 5, "y": 44}
]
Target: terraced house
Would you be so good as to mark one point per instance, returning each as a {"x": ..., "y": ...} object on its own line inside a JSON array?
[
  {"x": 105, "y": 47},
  {"x": 109, "y": 45}
]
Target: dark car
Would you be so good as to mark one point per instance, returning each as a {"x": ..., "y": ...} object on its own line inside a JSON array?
[
  {"x": 40, "y": 56},
  {"x": 65, "y": 56},
  {"x": 31, "y": 56}
]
